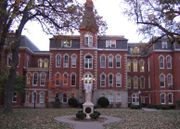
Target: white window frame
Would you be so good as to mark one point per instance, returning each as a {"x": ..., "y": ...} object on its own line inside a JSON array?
[
  {"x": 88, "y": 61},
  {"x": 42, "y": 79},
  {"x": 110, "y": 61},
  {"x": 172, "y": 98},
  {"x": 75, "y": 79},
  {"x": 40, "y": 63},
  {"x": 164, "y": 97},
  {"x": 42, "y": 97},
  {"x": 164, "y": 78},
  {"x": 102, "y": 81},
  {"x": 73, "y": 61},
  {"x": 109, "y": 81},
  {"x": 142, "y": 82},
  {"x": 118, "y": 61},
  {"x": 58, "y": 61},
  {"x": 164, "y": 44},
  {"x": 46, "y": 63},
  {"x": 34, "y": 78},
  {"x": 58, "y": 76},
  {"x": 33, "y": 95},
  {"x": 110, "y": 43},
  {"x": 135, "y": 80},
  {"x": 65, "y": 82},
  {"x": 169, "y": 62},
  {"x": 118, "y": 80},
  {"x": 169, "y": 81},
  {"x": 88, "y": 40},
  {"x": 161, "y": 62},
  {"x": 102, "y": 62},
  {"x": 66, "y": 61},
  {"x": 28, "y": 78},
  {"x": 141, "y": 66},
  {"x": 129, "y": 67},
  {"x": 135, "y": 65}
]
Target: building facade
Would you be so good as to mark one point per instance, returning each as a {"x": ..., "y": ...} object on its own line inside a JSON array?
[{"x": 122, "y": 72}]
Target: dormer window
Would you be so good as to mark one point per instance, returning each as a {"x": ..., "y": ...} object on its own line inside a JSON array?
[
  {"x": 88, "y": 40},
  {"x": 66, "y": 43},
  {"x": 164, "y": 44},
  {"x": 110, "y": 43}
]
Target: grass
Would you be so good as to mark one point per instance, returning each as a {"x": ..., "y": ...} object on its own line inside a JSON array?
[{"x": 131, "y": 119}]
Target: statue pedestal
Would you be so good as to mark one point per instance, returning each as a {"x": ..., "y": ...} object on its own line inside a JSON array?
[{"x": 88, "y": 108}]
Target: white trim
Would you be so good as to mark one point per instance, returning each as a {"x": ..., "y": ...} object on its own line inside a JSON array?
[
  {"x": 58, "y": 66},
  {"x": 164, "y": 98},
  {"x": 100, "y": 61},
  {"x": 171, "y": 98},
  {"x": 163, "y": 63},
  {"x": 120, "y": 57},
  {"x": 110, "y": 55},
  {"x": 164, "y": 78},
  {"x": 101, "y": 80},
  {"x": 75, "y": 79}
]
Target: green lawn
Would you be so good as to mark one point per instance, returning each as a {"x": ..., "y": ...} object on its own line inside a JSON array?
[{"x": 131, "y": 119}]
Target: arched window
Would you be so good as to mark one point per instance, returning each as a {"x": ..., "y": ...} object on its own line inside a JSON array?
[
  {"x": 169, "y": 62},
  {"x": 66, "y": 61},
  {"x": 135, "y": 82},
  {"x": 73, "y": 61},
  {"x": 110, "y": 61},
  {"x": 110, "y": 80},
  {"x": 35, "y": 79},
  {"x": 42, "y": 97},
  {"x": 64, "y": 99},
  {"x": 129, "y": 82},
  {"x": 161, "y": 62},
  {"x": 88, "y": 62},
  {"x": 163, "y": 98},
  {"x": 65, "y": 79},
  {"x": 162, "y": 80},
  {"x": 135, "y": 65},
  {"x": 33, "y": 97},
  {"x": 40, "y": 63},
  {"x": 170, "y": 98},
  {"x": 88, "y": 40},
  {"x": 103, "y": 80},
  {"x": 28, "y": 78},
  {"x": 73, "y": 79},
  {"x": 118, "y": 80},
  {"x": 46, "y": 63},
  {"x": 102, "y": 61},
  {"x": 57, "y": 79},
  {"x": 141, "y": 65},
  {"x": 58, "y": 60},
  {"x": 42, "y": 78},
  {"x": 170, "y": 80},
  {"x": 118, "y": 61},
  {"x": 129, "y": 65},
  {"x": 142, "y": 82}
]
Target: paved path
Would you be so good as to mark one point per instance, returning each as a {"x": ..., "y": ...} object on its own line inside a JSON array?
[{"x": 88, "y": 124}]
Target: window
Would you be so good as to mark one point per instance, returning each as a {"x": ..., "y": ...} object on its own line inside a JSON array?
[
  {"x": 28, "y": 78},
  {"x": 35, "y": 79},
  {"x": 141, "y": 65},
  {"x": 164, "y": 44},
  {"x": 118, "y": 80},
  {"x": 57, "y": 79},
  {"x": 135, "y": 65},
  {"x": 73, "y": 79},
  {"x": 40, "y": 63},
  {"x": 161, "y": 62},
  {"x": 135, "y": 99},
  {"x": 170, "y": 98},
  {"x": 128, "y": 65},
  {"x": 110, "y": 80},
  {"x": 103, "y": 80},
  {"x": 64, "y": 99},
  {"x": 58, "y": 60},
  {"x": 88, "y": 40},
  {"x": 170, "y": 80},
  {"x": 135, "y": 82},
  {"x": 14, "y": 97},
  {"x": 129, "y": 82},
  {"x": 162, "y": 80},
  {"x": 169, "y": 62},
  {"x": 27, "y": 61},
  {"x": 46, "y": 63},
  {"x": 33, "y": 97},
  {"x": 102, "y": 61},
  {"x": 162, "y": 98},
  {"x": 88, "y": 79},
  {"x": 73, "y": 61},
  {"x": 66, "y": 61},
  {"x": 110, "y": 43},
  {"x": 110, "y": 61},
  {"x": 42, "y": 79},
  {"x": 88, "y": 62},
  {"x": 41, "y": 97},
  {"x": 9, "y": 59},
  {"x": 142, "y": 82},
  {"x": 66, "y": 43},
  {"x": 65, "y": 79},
  {"x": 118, "y": 61}
]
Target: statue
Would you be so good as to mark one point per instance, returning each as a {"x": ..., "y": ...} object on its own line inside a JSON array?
[{"x": 88, "y": 92}]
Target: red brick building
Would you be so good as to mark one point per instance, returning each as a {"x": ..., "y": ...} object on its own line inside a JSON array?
[{"x": 121, "y": 71}]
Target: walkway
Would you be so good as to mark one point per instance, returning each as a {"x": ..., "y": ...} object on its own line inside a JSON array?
[{"x": 87, "y": 124}]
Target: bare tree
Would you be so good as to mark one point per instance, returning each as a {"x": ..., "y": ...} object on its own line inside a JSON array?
[
  {"x": 160, "y": 18},
  {"x": 55, "y": 16}
]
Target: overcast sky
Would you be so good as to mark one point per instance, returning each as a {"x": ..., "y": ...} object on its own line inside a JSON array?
[{"x": 111, "y": 10}]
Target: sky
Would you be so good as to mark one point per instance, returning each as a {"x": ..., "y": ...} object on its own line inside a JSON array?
[{"x": 112, "y": 12}]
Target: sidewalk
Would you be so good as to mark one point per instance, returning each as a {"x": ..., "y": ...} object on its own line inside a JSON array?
[{"x": 88, "y": 123}]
